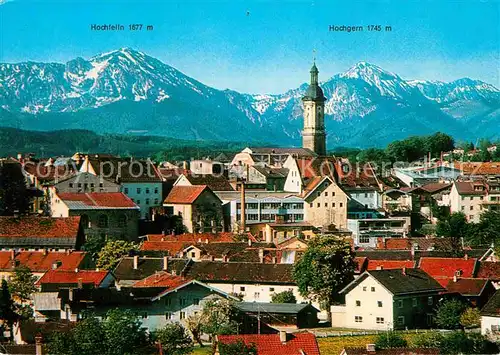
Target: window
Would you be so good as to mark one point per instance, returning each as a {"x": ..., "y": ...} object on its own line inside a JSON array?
[
  {"x": 168, "y": 302},
  {"x": 103, "y": 221},
  {"x": 333, "y": 193},
  {"x": 400, "y": 303},
  {"x": 168, "y": 316},
  {"x": 147, "y": 201},
  {"x": 380, "y": 320},
  {"x": 85, "y": 220},
  {"x": 122, "y": 220},
  {"x": 326, "y": 193},
  {"x": 193, "y": 254},
  {"x": 373, "y": 289},
  {"x": 79, "y": 184},
  {"x": 364, "y": 288},
  {"x": 379, "y": 303},
  {"x": 364, "y": 239},
  {"x": 144, "y": 315},
  {"x": 70, "y": 184},
  {"x": 182, "y": 315},
  {"x": 182, "y": 301},
  {"x": 311, "y": 204},
  {"x": 156, "y": 190},
  {"x": 196, "y": 301},
  {"x": 463, "y": 198},
  {"x": 147, "y": 190},
  {"x": 341, "y": 204},
  {"x": 358, "y": 319},
  {"x": 333, "y": 204},
  {"x": 471, "y": 208},
  {"x": 156, "y": 201},
  {"x": 415, "y": 302},
  {"x": 401, "y": 320},
  {"x": 358, "y": 303},
  {"x": 430, "y": 301},
  {"x": 138, "y": 202},
  {"x": 256, "y": 295},
  {"x": 326, "y": 204},
  {"x": 271, "y": 289},
  {"x": 318, "y": 205},
  {"x": 242, "y": 288},
  {"x": 138, "y": 190},
  {"x": 126, "y": 190}
]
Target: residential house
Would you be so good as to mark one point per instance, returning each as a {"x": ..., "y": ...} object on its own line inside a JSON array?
[
  {"x": 489, "y": 270},
  {"x": 272, "y": 178},
  {"x": 397, "y": 200},
  {"x": 273, "y": 344},
  {"x": 213, "y": 182},
  {"x": 425, "y": 244},
  {"x": 206, "y": 166},
  {"x": 34, "y": 233},
  {"x": 468, "y": 197},
  {"x": 388, "y": 299},
  {"x": 199, "y": 208},
  {"x": 86, "y": 182},
  {"x": 139, "y": 180},
  {"x": 367, "y": 231},
  {"x": 55, "y": 279},
  {"x": 490, "y": 316},
  {"x": 420, "y": 175},
  {"x": 479, "y": 169},
  {"x": 103, "y": 214}
]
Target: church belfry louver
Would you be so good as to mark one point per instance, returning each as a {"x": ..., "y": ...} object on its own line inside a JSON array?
[{"x": 313, "y": 134}]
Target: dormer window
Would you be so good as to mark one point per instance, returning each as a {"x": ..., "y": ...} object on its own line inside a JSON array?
[{"x": 458, "y": 273}]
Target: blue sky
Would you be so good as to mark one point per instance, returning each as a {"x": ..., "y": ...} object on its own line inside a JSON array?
[{"x": 265, "y": 46}]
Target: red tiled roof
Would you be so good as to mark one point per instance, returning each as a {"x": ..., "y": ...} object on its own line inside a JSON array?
[
  {"x": 162, "y": 279},
  {"x": 39, "y": 227},
  {"x": 489, "y": 270},
  {"x": 443, "y": 269},
  {"x": 171, "y": 247},
  {"x": 360, "y": 262},
  {"x": 48, "y": 173},
  {"x": 364, "y": 176},
  {"x": 224, "y": 237},
  {"x": 71, "y": 277},
  {"x": 270, "y": 344},
  {"x": 479, "y": 168},
  {"x": 314, "y": 167},
  {"x": 422, "y": 243},
  {"x": 185, "y": 194},
  {"x": 467, "y": 287},
  {"x": 432, "y": 188},
  {"x": 38, "y": 261},
  {"x": 99, "y": 199},
  {"x": 468, "y": 188},
  {"x": 389, "y": 264}
]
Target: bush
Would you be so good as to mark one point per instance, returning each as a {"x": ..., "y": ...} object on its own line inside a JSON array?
[
  {"x": 448, "y": 314},
  {"x": 237, "y": 348},
  {"x": 174, "y": 339},
  {"x": 390, "y": 340},
  {"x": 428, "y": 340},
  {"x": 283, "y": 297},
  {"x": 470, "y": 318},
  {"x": 461, "y": 343}
]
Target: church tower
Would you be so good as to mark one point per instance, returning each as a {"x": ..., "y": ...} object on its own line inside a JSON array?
[{"x": 313, "y": 134}]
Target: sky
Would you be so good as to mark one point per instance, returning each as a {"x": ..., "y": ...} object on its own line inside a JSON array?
[{"x": 265, "y": 46}]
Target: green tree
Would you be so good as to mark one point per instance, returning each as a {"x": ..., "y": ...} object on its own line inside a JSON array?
[
  {"x": 470, "y": 318},
  {"x": 218, "y": 318},
  {"x": 21, "y": 287},
  {"x": 124, "y": 332},
  {"x": 325, "y": 268},
  {"x": 456, "y": 228},
  {"x": 174, "y": 339},
  {"x": 390, "y": 339},
  {"x": 88, "y": 337},
  {"x": 7, "y": 313},
  {"x": 14, "y": 196},
  {"x": 487, "y": 231},
  {"x": 237, "y": 348},
  {"x": 112, "y": 252},
  {"x": 94, "y": 244},
  {"x": 194, "y": 324},
  {"x": 448, "y": 314},
  {"x": 62, "y": 343},
  {"x": 283, "y": 297},
  {"x": 439, "y": 142}
]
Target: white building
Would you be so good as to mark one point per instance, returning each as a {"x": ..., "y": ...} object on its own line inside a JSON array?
[{"x": 490, "y": 316}]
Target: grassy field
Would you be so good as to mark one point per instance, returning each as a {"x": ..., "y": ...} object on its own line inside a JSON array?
[{"x": 206, "y": 350}]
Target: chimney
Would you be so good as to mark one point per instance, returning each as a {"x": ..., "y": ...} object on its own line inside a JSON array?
[
  {"x": 162, "y": 232},
  {"x": 80, "y": 283},
  {"x": 455, "y": 278},
  {"x": 136, "y": 261},
  {"x": 165, "y": 263},
  {"x": 76, "y": 269},
  {"x": 243, "y": 209},
  {"x": 380, "y": 267},
  {"x": 404, "y": 270},
  {"x": 274, "y": 260},
  {"x": 56, "y": 264},
  {"x": 211, "y": 258},
  {"x": 261, "y": 255},
  {"x": 44, "y": 251},
  {"x": 249, "y": 242},
  {"x": 199, "y": 240},
  {"x": 12, "y": 254},
  {"x": 70, "y": 294},
  {"x": 206, "y": 241},
  {"x": 283, "y": 336},
  {"x": 370, "y": 348},
  {"x": 224, "y": 258},
  {"x": 38, "y": 344},
  {"x": 466, "y": 257}
]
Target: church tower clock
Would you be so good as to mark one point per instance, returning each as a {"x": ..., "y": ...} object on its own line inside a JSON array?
[{"x": 313, "y": 134}]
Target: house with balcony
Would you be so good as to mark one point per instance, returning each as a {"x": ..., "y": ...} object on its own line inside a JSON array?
[{"x": 366, "y": 231}]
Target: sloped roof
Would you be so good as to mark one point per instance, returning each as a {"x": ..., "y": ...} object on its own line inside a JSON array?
[
  {"x": 162, "y": 279},
  {"x": 389, "y": 264},
  {"x": 492, "y": 307},
  {"x": 39, "y": 227},
  {"x": 421, "y": 243},
  {"x": 467, "y": 188},
  {"x": 184, "y": 194},
  {"x": 271, "y": 171},
  {"x": 392, "y": 351},
  {"x": 443, "y": 269},
  {"x": 197, "y": 237},
  {"x": 214, "y": 182},
  {"x": 46, "y": 174},
  {"x": 431, "y": 188},
  {"x": 39, "y": 261},
  {"x": 320, "y": 166},
  {"x": 146, "y": 266},
  {"x": 71, "y": 277},
  {"x": 240, "y": 272},
  {"x": 489, "y": 270},
  {"x": 467, "y": 287},
  {"x": 97, "y": 200},
  {"x": 479, "y": 168},
  {"x": 400, "y": 281},
  {"x": 270, "y": 344},
  {"x": 123, "y": 169}
]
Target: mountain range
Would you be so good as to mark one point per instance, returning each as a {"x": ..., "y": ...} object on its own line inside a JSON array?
[{"x": 128, "y": 92}]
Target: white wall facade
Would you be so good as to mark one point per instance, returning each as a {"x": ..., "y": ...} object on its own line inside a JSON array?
[
  {"x": 146, "y": 195},
  {"x": 489, "y": 325}
]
